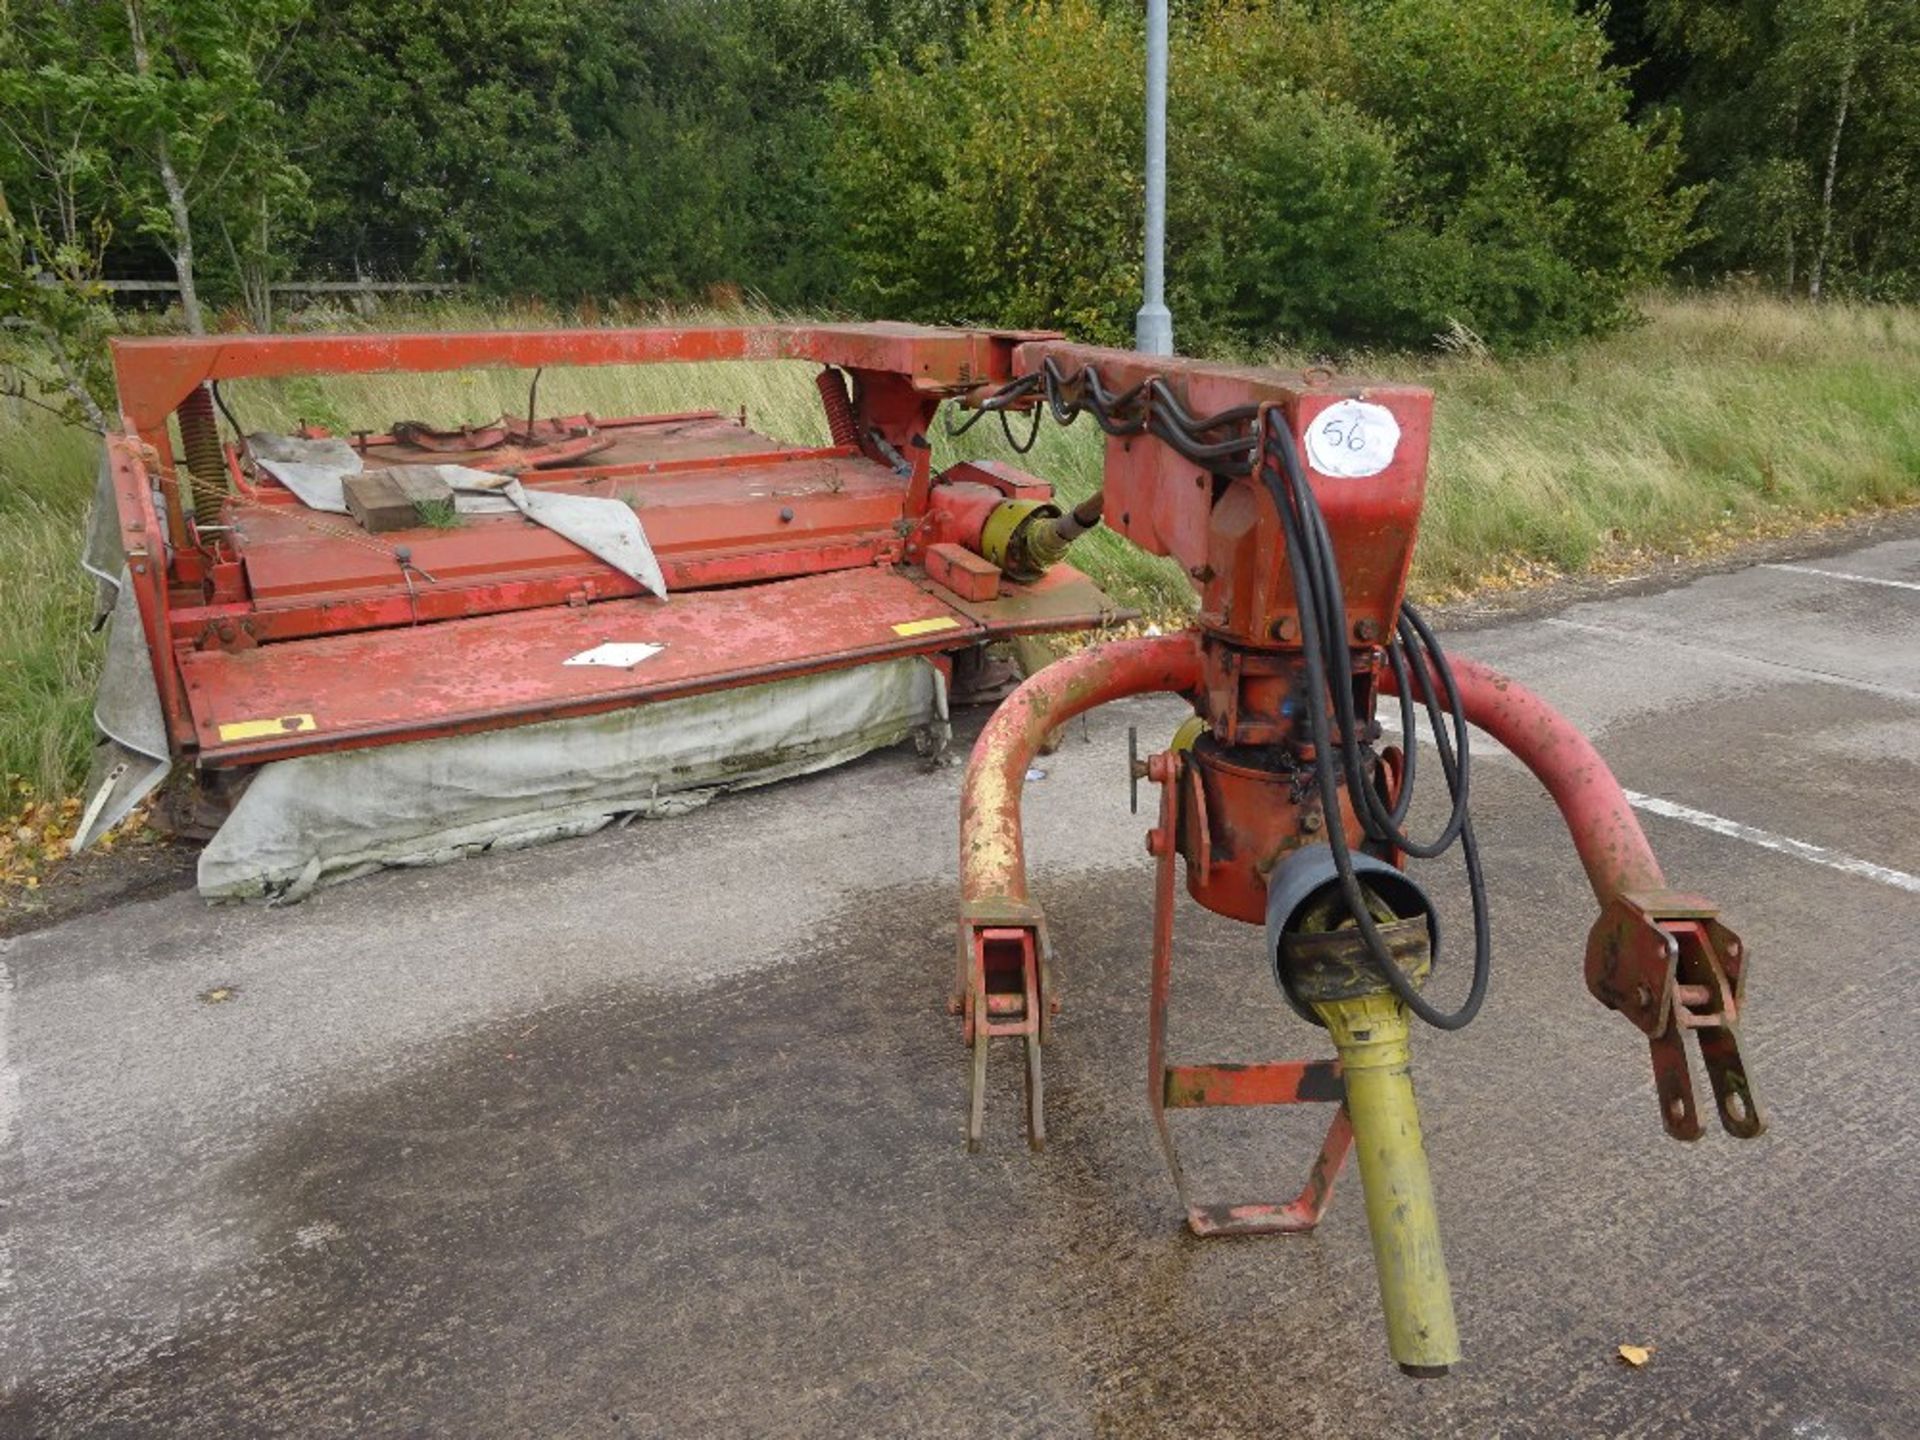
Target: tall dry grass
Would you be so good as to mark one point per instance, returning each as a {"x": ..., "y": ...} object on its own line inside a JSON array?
[
  {"x": 1720, "y": 416},
  {"x": 48, "y": 655}
]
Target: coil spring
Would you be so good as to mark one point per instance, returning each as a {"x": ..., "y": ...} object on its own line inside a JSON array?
[
  {"x": 833, "y": 395},
  {"x": 206, "y": 465}
]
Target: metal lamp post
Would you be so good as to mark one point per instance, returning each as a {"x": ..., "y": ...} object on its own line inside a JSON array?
[{"x": 1153, "y": 326}]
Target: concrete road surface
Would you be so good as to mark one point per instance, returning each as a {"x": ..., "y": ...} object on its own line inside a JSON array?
[{"x": 658, "y": 1133}]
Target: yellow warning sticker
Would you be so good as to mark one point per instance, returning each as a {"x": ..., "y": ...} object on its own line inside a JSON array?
[
  {"x": 926, "y": 627},
  {"x": 262, "y": 729}
]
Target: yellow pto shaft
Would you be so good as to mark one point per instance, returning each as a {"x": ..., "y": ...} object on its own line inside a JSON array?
[{"x": 1371, "y": 1034}]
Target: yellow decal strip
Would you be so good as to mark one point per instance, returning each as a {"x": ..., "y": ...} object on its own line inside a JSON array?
[
  {"x": 261, "y": 729},
  {"x": 926, "y": 627}
]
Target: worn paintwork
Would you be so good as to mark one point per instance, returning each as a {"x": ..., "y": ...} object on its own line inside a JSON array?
[
  {"x": 1241, "y": 795},
  {"x": 256, "y": 607},
  {"x": 1666, "y": 962},
  {"x": 1003, "y": 941},
  {"x": 374, "y": 685},
  {"x": 1228, "y": 538},
  {"x": 1612, "y": 846}
]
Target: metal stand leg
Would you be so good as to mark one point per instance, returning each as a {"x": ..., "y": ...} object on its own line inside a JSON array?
[{"x": 1283, "y": 1082}]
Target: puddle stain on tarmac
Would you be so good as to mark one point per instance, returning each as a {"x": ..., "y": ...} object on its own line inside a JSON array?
[{"x": 748, "y": 1211}]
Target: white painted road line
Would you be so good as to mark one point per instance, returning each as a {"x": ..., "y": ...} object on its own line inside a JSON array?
[
  {"x": 1719, "y": 825},
  {"x": 1824, "y": 677},
  {"x": 1766, "y": 839},
  {"x": 9, "y": 1115},
  {"x": 1844, "y": 575}
]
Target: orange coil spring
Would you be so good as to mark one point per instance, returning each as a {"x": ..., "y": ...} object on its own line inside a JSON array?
[
  {"x": 833, "y": 394},
  {"x": 206, "y": 465}
]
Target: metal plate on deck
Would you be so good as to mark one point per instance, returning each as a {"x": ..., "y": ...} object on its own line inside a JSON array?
[
  {"x": 293, "y": 556},
  {"x": 496, "y": 670}
]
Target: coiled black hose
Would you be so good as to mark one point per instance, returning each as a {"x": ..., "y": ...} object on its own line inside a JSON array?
[
  {"x": 1228, "y": 444},
  {"x": 1329, "y": 664}
]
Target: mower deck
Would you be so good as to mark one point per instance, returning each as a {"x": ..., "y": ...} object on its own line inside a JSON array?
[
  {"x": 353, "y": 648},
  {"x": 276, "y": 701},
  {"x": 704, "y": 487},
  {"x": 275, "y": 605}
]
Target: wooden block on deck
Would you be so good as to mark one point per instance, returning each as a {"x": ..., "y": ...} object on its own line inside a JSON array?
[
  {"x": 970, "y": 576},
  {"x": 390, "y": 499}
]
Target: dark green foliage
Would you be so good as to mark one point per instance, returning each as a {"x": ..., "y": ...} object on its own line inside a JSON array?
[
  {"x": 1361, "y": 172},
  {"x": 1550, "y": 208},
  {"x": 999, "y": 182},
  {"x": 575, "y": 148},
  {"x": 1803, "y": 116},
  {"x": 1281, "y": 221},
  {"x": 1344, "y": 173},
  {"x": 432, "y": 128}
]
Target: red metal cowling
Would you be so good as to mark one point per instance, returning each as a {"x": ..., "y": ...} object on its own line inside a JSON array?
[
  {"x": 959, "y": 512},
  {"x": 1241, "y": 816}
]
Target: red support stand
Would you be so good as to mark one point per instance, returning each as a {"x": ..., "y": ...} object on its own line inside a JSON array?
[{"x": 1181, "y": 1087}]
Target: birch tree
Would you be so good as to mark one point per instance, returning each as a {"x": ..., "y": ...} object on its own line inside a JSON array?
[{"x": 163, "y": 115}]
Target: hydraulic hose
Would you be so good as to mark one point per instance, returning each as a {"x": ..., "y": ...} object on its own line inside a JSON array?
[{"x": 1323, "y": 631}]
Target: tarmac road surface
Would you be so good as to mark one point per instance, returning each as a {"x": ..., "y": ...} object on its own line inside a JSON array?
[{"x": 658, "y": 1133}]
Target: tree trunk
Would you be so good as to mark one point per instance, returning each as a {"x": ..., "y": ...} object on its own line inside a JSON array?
[
  {"x": 182, "y": 247},
  {"x": 1818, "y": 272}
]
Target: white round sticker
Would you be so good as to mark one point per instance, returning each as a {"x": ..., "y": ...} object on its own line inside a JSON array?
[{"x": 1352, "y": 439}]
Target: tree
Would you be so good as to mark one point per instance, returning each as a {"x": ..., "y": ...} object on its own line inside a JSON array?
[
  {"x": 53, "y": 227},
  {"x": 998, "y": 181},
  {"x": 1803, "y": 118},
  {"x": 576, "y": 147},
  {"x": 156, "y": 114},
  {"x": 53, "y": 322},
  {"x": 1355, "y": 172}
]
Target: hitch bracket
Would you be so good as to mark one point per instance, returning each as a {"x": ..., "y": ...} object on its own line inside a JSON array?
[{"x": 1665, "y": 961}]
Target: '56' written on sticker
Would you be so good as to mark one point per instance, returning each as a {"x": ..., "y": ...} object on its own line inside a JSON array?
[{"x": 1352, "y": 439}]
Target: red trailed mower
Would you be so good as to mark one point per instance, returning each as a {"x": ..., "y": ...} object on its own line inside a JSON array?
[{"x": 266, "y": 632}]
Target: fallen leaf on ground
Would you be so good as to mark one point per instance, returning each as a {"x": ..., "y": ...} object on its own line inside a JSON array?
[{"x": 1636, "y": 1355}]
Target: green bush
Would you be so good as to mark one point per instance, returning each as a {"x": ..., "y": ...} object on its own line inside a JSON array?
[
  {"x": 1551, "y": 208},
  {"x": 1363, "y": 172},
  {"x": 1000, "y": 181}
]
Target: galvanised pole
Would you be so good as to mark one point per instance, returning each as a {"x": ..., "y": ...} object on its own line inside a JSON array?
[{"x": 1153, "y": 326}]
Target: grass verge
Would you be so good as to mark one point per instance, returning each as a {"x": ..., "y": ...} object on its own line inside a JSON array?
[{"x": 1719, "y": 418}]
